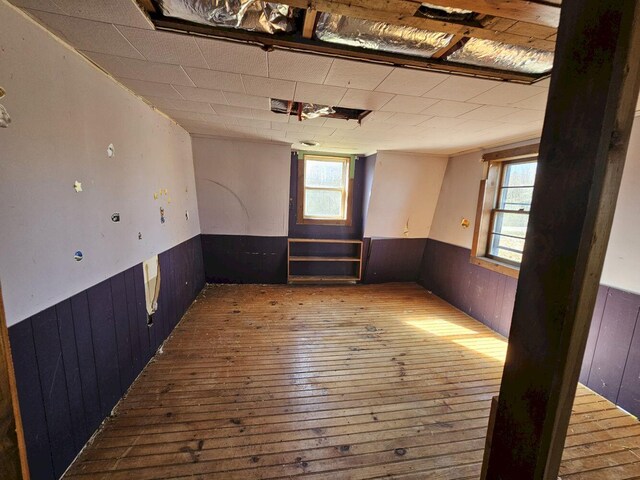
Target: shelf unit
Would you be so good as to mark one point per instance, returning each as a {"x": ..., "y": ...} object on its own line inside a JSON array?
[{"x": 310, "y": 279}]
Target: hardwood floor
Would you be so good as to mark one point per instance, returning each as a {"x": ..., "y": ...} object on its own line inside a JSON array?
[{"x": 356, "y": 382}]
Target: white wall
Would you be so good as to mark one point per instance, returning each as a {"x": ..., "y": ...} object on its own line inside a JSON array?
[
  {"x": 622, "y": 263},
  {"x": 65, "y": 113},
  {"x": 404, "y": 194},
  {"x": 243, "y": 186},
  {"x": 459, "y": 198}
]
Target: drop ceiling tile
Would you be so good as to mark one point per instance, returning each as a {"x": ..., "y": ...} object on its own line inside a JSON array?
[
  {"x": 299, "y": 67},
  {"x": 360, "y": 75},
  {"x": 272, "y": 117},
  {"x": 341, "y": 124},
  {"x": 319, "y": 121},
  {"x": 141, "y": 69},
  {"x": 448, "y": 108},
  {"x": 448, "y": 123},
  {"x": 545, "y": 83},
  {"x": 460, "y": 88},
  {"x": 229, "y": 111},
  {"x": 537, "y": 102},
  {"x": 378, "y": 116},
  {"x": 410, "y": 82},
  {"x": 488, "y": 112},
  {"x": 478, "y": 125},
  {"x": 201, "y": 94},
  {"x": 165, "y": 47},
  {"x": 507, "y": 94},
  {"x": 365, "y": 99},
  {"x": 268, "y": 87},
  {"x": 215, "y": 80},
  {"x": 179, "y": 104},
  {"x": 317, "y": 130},
  {"x": 524, "y": 116},
  {"x": 320, "y": 94},
  {"x": 120, "y": 12},
  {"x": 234, "y": 57},
  {"x": 88, "y": 35},
  {"x": 181, "y": 115},
  {"x": 408, "y": 119},
  {"x": 247, "y": 101},
  {"x": 40, "y": 5},
  {"x": 204, "y": 129},
  {"x": 289, "y": 127},
  {"x": 408, "y": 104},
  {"x": 150, "y": 88},
  {"x": 251, "y": 122}
]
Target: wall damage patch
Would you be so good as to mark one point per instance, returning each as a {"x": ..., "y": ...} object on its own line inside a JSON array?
[
  {"x": 77, "y": 186},
  {"x": 78, "y": 256},
  {"x": 115, "y": 218}
]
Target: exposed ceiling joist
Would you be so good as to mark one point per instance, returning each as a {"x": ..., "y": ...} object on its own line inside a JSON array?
[
  {"x": 309, "y": 23},
  {"x": 402, "y": 12}
]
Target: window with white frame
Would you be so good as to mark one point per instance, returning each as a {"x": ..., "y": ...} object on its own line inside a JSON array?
[
  {"x": 510, "y": 215},
  {"x": 504, "y": 204},
  {"x": 323, "y": 190}
]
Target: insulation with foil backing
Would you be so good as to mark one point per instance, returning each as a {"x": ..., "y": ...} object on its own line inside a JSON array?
[
  {"x": 500, "y": 56},
  {"x": 253, "y": 15},
  {"x": 380, "y": 36}
]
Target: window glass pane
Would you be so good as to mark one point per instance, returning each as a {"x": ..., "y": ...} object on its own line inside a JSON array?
[
  {"x": 322, "y": 203},
  {"x": 512, "y": 224},
  {"x": 519, "y": 174},
  {"x": 508, "y": 248},
  {"x": 323, "y": 174},
  {"x": 516, "y": 198}
]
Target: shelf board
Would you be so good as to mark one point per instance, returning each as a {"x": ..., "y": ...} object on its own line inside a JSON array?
[
  {"x": 299, "y": 258},
  {"x": 322, "y": 240},
  {"x": 322, "y": 279}
]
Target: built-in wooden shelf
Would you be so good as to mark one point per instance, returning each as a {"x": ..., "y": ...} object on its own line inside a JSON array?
[
  {"x": 322, "y": 279},
  {"x": 292, "y": 278},
  {"x": 323, "y": 259}
]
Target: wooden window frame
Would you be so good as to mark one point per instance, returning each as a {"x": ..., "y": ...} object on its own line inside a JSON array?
[
  {"x": 487, "y": 197},
  {"x": 347, "y": 192}
]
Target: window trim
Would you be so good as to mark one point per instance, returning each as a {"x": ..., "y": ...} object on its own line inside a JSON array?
[
  {"x": 487, "y": 197},
  {"x": 348, "y": 190}
]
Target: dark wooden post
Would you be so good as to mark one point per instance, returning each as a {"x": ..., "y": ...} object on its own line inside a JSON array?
[
  {"x": 593, "y": 94},
  {"x": 13, "y": 457}
]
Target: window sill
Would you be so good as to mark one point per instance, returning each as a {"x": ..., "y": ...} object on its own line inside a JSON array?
[
  {"x": 495, "y": 266},
  {"x": 316, "y": 221}
]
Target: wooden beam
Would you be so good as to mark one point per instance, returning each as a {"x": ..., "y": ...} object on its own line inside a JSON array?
[
  {"x": 520, "y": 10},
  {"x": 402, "y": 12},
  {"x": 13, "y": 453},
  {"x": 582, "y": 154},
  {"x": 456, "y": 43},
  {"x": 309, "y": 23}
]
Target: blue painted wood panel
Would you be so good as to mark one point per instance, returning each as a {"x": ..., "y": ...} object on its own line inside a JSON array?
[
  {"x": 73, "y": 361},
  {"x": 52, "y": 379}
]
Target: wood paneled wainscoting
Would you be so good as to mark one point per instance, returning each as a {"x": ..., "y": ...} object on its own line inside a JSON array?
[{"x": 331, "y": 382}]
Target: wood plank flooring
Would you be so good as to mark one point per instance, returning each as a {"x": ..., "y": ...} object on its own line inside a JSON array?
[{"x": 330, "y": 382}]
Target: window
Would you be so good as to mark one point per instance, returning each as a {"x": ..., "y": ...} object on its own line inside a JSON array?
[
  {"x": 323, "y": 190},
  {"x": 503, "y": 209},
  {"x": 510, "y": 215}
]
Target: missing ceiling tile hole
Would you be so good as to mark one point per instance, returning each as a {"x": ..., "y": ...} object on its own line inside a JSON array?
[{"x": 304, "y": 110}]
